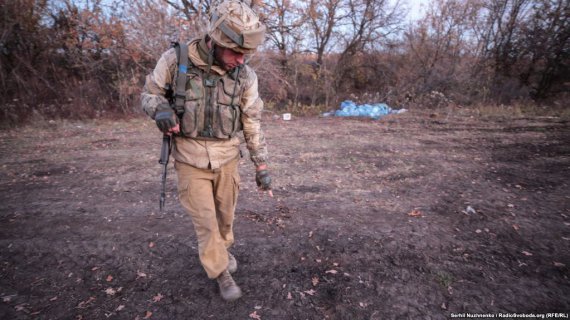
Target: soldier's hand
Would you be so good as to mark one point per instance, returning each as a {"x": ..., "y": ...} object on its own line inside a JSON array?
[
  {"x": 165, "y": 119},
  {"x": 263, "y": 179}
]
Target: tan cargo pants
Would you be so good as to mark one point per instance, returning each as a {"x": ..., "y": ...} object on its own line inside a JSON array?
[{"x": 210, "y": 197}]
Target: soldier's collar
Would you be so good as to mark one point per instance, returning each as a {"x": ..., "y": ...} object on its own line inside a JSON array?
[
  {"x": 199, "y": 56},
  {"x": 203, "y": 49}
]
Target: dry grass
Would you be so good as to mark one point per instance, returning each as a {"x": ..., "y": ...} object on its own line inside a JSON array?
[{"x": 300, "y": 110}]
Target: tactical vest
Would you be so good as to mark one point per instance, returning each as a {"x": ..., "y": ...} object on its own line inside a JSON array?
[{"x": 212, "y": 103}]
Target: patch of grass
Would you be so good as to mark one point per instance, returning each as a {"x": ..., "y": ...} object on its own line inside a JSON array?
[
  {"x": 518, "y": 110},
  {"x": 299, "y": 109},
  {"x": 501, "y": 111},
  {"x": 444, "y": 278}
]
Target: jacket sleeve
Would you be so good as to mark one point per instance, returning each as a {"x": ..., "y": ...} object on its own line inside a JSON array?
[
  {"x": 157, "y": 81},
  {"x": 252, "y": 105}
]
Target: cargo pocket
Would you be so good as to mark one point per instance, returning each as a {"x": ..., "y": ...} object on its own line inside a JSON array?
[
  {"x": 183, "y": 184},
  {"x": 236, "y": 180},
  {"x": 228, "y": 112},
  {"x": 193, "y": 106},
  {"x": 228, "y": 117},
  {"x": 183, "y": 195}
]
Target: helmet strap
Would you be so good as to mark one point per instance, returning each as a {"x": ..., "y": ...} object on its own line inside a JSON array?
[
  {"x": 208, "y": 80},
  {"x": 210, "y": 58}
]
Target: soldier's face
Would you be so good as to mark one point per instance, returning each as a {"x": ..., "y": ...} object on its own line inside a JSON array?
[{"x": 228, "y": 58}]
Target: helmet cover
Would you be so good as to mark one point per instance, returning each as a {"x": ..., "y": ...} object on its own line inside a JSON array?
[{"x": 234, "y": 25}]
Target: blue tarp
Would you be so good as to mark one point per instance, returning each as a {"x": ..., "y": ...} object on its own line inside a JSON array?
[{"x": 374, "y": 111}]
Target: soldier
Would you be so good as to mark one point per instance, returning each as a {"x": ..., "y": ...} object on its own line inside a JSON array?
[{"x": 221, "y": 99}]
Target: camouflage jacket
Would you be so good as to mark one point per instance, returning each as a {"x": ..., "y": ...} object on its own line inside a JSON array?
[{"x": 209, "y": 153}]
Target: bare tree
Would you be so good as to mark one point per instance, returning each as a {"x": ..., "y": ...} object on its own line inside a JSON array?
[
  {"x": 195, "y": 11},
  {"x": 152, "y": 25},
  {"x": 323, "y": 18},
  {"x": 283, "y": 20},
  {"x": 503, "y": 22},
  {"x": 438, "y": 43},
  {"x": 368, "y": 23},
  {"x": 525, "y": 44},
  {"x": 20, "y": 34},
  {"x": 545, "y": 42}
]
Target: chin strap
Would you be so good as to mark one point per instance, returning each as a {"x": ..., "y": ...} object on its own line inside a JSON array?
[{"x": 210, "y": 60}]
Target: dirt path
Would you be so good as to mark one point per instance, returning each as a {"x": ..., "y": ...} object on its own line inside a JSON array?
[{"x": 409, "y": 217}]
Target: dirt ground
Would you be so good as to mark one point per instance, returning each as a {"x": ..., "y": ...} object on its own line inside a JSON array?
[{"x": 414, "y": 216}]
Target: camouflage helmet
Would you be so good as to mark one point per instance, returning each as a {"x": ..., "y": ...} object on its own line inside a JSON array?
[{"x": 234, "y": 25}]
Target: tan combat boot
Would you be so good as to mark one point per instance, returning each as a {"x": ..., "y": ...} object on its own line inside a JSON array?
[
  {"x": 228, "y": 287},
  {"x": 232, "y": 264}
]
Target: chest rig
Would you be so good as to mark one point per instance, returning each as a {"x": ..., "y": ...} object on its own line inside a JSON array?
[{"x": 207, "y": 104}]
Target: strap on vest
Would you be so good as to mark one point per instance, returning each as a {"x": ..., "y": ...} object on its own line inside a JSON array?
[
  {"x": 209, "y": 82},
  {"x": 180, "y": 95}
]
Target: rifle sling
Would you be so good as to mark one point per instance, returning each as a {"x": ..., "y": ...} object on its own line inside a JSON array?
[{"x": 180, "y": 95}]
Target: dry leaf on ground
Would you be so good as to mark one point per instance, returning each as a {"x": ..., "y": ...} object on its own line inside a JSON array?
[
  {"x": 310, "y": 292},
  {"x": 157, "y": 298},
  {"x": 254, "y": 315},
  {"x": 110, "y": 291},
  {"x": 315, "y": 281},
  {"x": 21, "y": 307},
  {"x": 83, "y": 304},
  {"x": 415, "y": 213}
]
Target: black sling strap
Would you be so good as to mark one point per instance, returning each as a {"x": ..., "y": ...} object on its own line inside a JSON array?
[{"x": 180, "y": 95}]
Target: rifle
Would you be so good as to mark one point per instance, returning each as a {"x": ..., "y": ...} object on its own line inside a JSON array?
[
  {"x": 164, "y": 157},
  {"x": 176, "y": 101}
]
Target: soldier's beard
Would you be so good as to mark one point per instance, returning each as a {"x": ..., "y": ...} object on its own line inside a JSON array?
[{"x": 219, "y": 61}]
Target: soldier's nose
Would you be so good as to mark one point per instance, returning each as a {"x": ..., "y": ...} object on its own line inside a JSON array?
[{"x": 240, "y": 58}]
